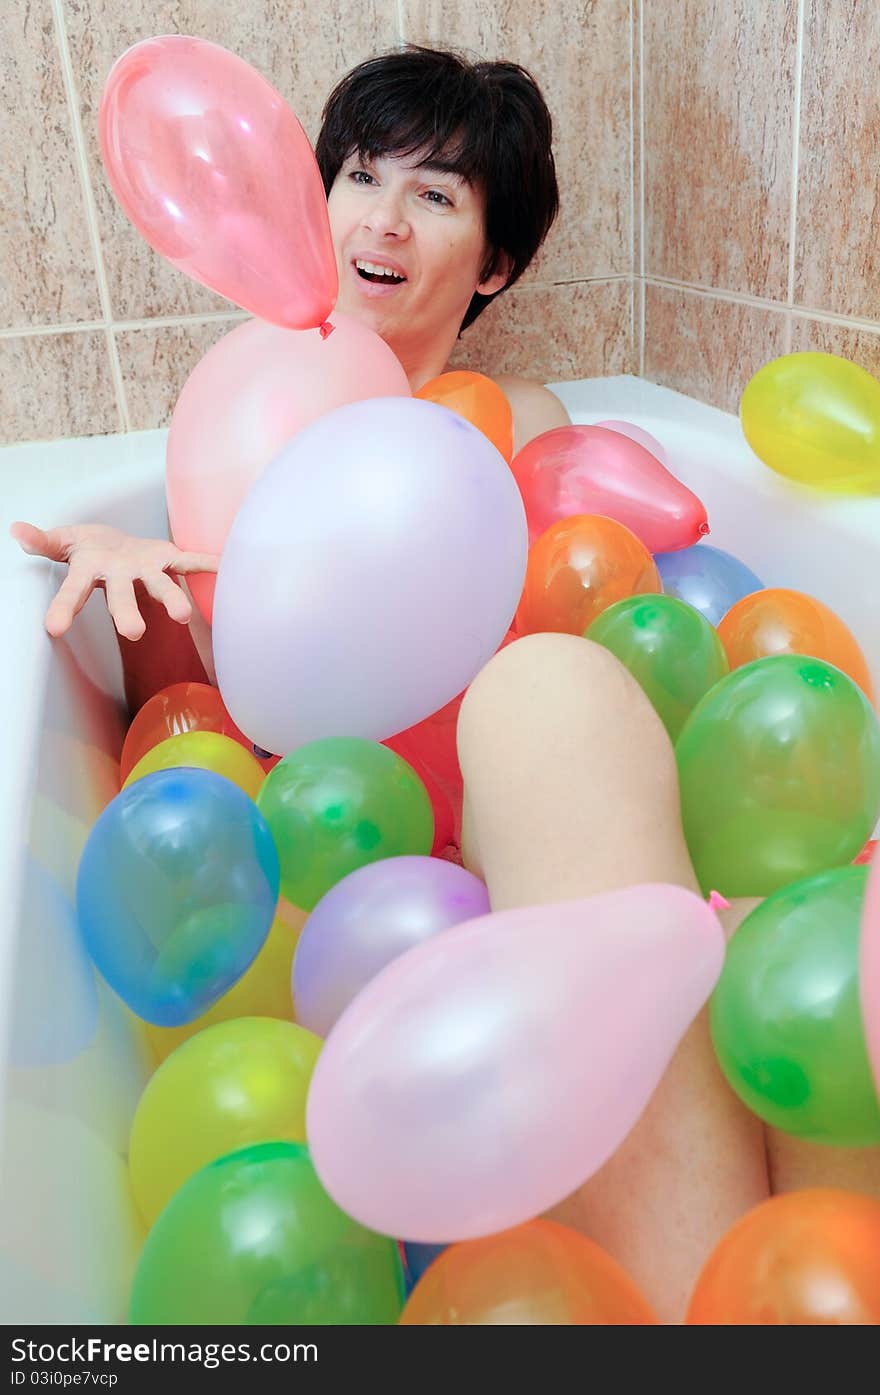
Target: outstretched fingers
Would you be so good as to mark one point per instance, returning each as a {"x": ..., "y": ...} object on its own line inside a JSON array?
[
  {"x": 123, "y": 607},
  {"x": 69, "y": 600},
  {"x": 186, "y": 562},
  {"x": 162, "y": 589},
  {"x": 37, "y": 543}
]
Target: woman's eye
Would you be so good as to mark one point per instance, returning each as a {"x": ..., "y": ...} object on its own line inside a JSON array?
[
  {"x": 360, "y": 176},
  {"x": 434, "y": 196}
]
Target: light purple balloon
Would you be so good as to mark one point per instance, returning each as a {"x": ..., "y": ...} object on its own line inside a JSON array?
[
  {"x": 369, "y": 918},
  {"x": 371, "y": 572}
]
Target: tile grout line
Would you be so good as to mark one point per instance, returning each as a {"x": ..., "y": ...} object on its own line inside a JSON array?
[
  {"x": 802, "y": 312},
  {"x": 642, "y": 296},
  {"x": 157, "y": 322},
  {"x": 236, "y": 317},
  {"x": 401, "y": 34},
  {"x": 795, "y": 171},
  {"x": 91, "y": 213}
]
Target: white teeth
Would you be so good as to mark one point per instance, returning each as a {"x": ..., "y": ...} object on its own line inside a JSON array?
[{"x": 377, "y": 270}]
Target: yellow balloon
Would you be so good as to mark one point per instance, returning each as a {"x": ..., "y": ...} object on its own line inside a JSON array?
[
  {"x": 207, "y": 750},
  {"x": 264, "y": 991},
  {"x": 816, "y": 418},
  {"x": 233, "y": 1084}
]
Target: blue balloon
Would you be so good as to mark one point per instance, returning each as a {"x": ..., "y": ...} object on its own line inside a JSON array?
[
  {"x": 418, "y": 1257},
  {"x": 176, "y": 892},
  {"x": 707, "y": 578}
]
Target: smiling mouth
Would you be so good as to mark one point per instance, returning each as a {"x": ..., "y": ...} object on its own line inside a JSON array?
[{"x": 377, "y": 274}]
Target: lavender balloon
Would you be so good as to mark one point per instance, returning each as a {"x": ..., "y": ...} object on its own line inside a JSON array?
[
  {"x": 369, "y": 918},
  {"x": 370, "y": 573},
  {"x": 707, "y": 578}
]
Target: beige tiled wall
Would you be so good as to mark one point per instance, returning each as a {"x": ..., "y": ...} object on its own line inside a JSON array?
[
  {"x": 717, "y": 162},
  {"x": 98, "y": 333},
  {"x": 760, "y": 127}
]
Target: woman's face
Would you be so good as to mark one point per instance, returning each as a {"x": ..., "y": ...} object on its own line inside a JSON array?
[{"x": 425, "y": 226}]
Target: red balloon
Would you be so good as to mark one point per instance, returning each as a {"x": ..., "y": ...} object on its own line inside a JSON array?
[
  {"x": 589, "y": 469},
  {"x": 214, "y": 170},
  {"x": 430, "y": 747},
  {"x": 444, "y": 819}
]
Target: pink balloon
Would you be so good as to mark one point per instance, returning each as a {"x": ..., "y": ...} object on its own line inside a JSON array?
[
  {"x": 588, "y": 469},
  {"x": 214, "y": 170},
  {"x": 484, "y": 1075},
  {"x": 248, "y": 396},
  {"x": 642, "y": 438},
  {"x": 370, "y": 573},
  {"x": 869, "y": 969}
]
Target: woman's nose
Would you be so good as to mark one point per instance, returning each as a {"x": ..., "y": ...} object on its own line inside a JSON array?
[{"x": 386, "y": 216}]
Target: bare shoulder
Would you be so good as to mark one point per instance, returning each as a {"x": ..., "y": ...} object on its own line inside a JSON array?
[{"x": 535, "y": 408}]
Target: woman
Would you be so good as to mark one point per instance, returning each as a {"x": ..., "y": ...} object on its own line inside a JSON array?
[{"x": 441, "y": 187}]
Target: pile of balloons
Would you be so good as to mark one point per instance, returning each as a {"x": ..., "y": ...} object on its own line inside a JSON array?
[{"x": 369, "y": 1085}]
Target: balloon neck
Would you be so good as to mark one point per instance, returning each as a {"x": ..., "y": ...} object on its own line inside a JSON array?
[
  {"x": 703, "y": 530},
  {"x": 326, "y": 329},
  {"x": 717, "y": 902}
]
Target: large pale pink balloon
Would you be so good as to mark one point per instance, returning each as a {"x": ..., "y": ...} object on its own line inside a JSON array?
[
  {"x": 590, "y": 469},
  {"x": 869, "y": 969},
  {"x": 214, "y": 170},
  {"x": 484, "y": 1075},
  {"x": 244, "y": 400},
  {"x": 638, "y": 434}
]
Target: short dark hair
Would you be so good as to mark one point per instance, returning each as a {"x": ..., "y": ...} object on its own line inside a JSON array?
[{"x": 486, "y": 122}]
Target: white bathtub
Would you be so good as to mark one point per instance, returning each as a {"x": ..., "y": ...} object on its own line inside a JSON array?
[{"x": 73, "y": 1058}]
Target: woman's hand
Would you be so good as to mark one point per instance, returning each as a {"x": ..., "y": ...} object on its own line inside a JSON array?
[{"x": 102, "y": 556}]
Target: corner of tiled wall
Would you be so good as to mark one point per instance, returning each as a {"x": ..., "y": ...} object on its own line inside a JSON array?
[
  {"x": 761, "y": 126},
  {"x": 98, "y": 333},
  {"x": 717, "y": 174}
]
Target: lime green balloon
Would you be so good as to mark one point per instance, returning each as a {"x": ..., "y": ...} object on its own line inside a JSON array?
[
  {"x": 335, "y": 805},
  {"x": 779, "y": 767},
  {"x": 785, "y": 1015},
  {"x": 816, "y": 418},
  {"x": 668, "y": 647},
  {"x": 253, "y": 1238}
]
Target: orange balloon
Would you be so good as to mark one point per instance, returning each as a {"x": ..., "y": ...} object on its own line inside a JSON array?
[
  {"x": 578, "y": 568},
  {"x": 179, "y": 708},
  {"x": 479, "y": 400},
  {"x": 182, "y": 707},
  {"x": 808, "y": 1259},
  {"x": 538, "y": 1274},
  {"x": 778, "y": 621}
]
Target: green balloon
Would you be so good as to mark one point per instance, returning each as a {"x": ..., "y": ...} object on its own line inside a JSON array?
[
  {"x": 254, "y": 1239},
  {"x": 779, "y": 767},
  {"x": 337, "y": 804},
  {"x": 785, "y": 1015},
  {"x": 668, "y": 647}
]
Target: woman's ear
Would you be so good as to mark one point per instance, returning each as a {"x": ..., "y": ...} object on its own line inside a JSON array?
[{"x": 499, "y": 278}]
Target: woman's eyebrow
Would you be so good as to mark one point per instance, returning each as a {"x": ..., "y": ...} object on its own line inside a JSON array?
[{"x": 431, "y": 167}]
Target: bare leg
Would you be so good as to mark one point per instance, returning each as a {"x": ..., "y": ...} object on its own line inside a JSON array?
[
  {"x": 571, "y": 789},
  {"x": 795, "y": 1164}
]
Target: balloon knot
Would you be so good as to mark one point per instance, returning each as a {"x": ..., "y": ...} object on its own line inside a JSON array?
[
  {"x": 704, "y": 530},
  {"x": 717, "y": 902},
  {"x": 326, "y": 329}
]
